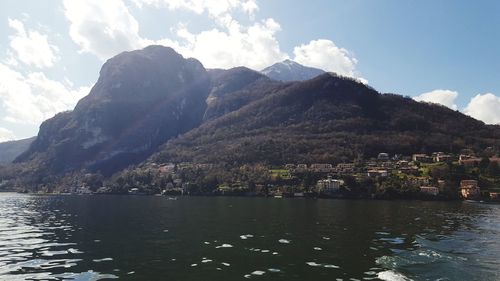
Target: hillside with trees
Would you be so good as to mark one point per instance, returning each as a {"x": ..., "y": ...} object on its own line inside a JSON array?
[
  {"x": 154, "y": 106},
  {"x": 328, "y": 119}
]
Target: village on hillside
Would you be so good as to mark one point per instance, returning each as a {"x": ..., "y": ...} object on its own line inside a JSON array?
[{"x": 436, "y": 176}]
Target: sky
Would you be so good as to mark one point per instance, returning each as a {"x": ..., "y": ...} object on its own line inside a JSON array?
[{"x": 443, "y": 51}]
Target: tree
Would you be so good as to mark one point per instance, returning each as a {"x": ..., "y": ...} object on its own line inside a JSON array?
[
  {"x": 483, "y": 164},
  {"x": 493, "y": 169}
]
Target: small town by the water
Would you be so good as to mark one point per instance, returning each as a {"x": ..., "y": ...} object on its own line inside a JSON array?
[{"x": 436, "y": 176}]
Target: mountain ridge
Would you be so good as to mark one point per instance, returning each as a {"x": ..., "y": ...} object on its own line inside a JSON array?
[
  {"x": 329, "y": 110},
  {"x": 288, "y": 70},
  {"x": 114, "y": 124},
  {"x": 154, "y": 105},
  {"x": 9, "y": 150}
]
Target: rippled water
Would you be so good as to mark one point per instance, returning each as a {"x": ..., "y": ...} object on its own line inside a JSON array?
[{"x": 221, "y": 238}]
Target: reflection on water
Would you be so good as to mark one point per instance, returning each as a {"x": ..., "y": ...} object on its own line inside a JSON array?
[
  {"x": 151, "y": 238},
  {"x": 35, "y": 242}
]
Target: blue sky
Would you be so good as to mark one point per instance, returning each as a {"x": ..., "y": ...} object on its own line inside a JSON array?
[{"x": 437, "y": 51}]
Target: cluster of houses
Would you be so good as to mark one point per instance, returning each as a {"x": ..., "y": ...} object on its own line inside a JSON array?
[
  {"x": 345, "y": 168},
  {"x": 382, "y": 166},
  {"x": 470, "y": 190}
]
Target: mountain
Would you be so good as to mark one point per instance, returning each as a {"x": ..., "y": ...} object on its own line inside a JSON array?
[
  {"x": 289, "y": 70},
  {"x": 233, "y": 88},
  {"x": 154, "y": 105},
  {"x": 327, "y": 119},
  {"x": 11, "y": 149},
  {"x": 141, "y": 99}
]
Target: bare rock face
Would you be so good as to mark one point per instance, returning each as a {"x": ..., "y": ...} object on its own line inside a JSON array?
[
  {"x": 234, "y": 88},
  {"x": 154, "y": 104},
  {"x": 142, "y": 99}
]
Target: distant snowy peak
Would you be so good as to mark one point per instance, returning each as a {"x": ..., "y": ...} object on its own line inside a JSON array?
[{"x": 289, "y": 70}]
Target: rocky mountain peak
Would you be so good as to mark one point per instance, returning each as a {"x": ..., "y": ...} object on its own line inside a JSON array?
[{"x": 289, "y": 70}]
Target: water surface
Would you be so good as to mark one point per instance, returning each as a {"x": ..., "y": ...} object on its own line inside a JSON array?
[{"x": 223, "y": 238}]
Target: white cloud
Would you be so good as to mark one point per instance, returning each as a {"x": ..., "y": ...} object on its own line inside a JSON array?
[
  {"x": 215, "y": 8},
  {"x": 324, "y": 54},
  {"x": 253, "y": 46},
  {"x": 484, "y": 107},
  {"x": 33, "y": 98},
  {"x": 103, "y": 28},
  {"x": 31, "y": 47},
  {"x": 443, "y": 97},
  {"x": 6, "y": 135},
  {"x": 106, "y": 28}
]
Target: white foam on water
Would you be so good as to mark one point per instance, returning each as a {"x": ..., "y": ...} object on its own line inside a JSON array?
[
  {"x": 312, "y": 263},
  {"x": 225, "y": 264},
  {"x": 206, "y": 260},
  {"x": 265, "y": 251},
  {"x": 218, "y": 268},
  {"x": 173, "y": 259},
  {"x": 101, "y": 260},
  {"x": 194, "y": 264},
  {"x": 74, "y": 251},
  {"x": 390, "y": 275},
  {"x": 275, "y": 253},
  {"x": 130, "y": 272},
  {"x": 224, "y": 246},
  {"x": 326, "y": 238},
  {"x": 206, "y": 243},
  {"x": 317, "y": 249},
  {"x": 246, "y": 236},
  {"x": 247, "y": 276},
  {"x": 274, "y": 270},
  {"x": 331, "y": 266},
  {"x": 258, "y": 272},
  {"x": 284, "y": 241}
]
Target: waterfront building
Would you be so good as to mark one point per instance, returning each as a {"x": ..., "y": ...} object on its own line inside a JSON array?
[
  {"x": 431, "y": 190},
  {"x": 469, "y": 189},
  {"x": 329, "y": 185}
]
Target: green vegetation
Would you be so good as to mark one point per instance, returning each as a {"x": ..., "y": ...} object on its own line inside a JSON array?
[{"x": 245, "y": 128}]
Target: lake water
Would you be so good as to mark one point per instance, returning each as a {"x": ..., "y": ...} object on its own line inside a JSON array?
[{"x": 223, "y": 238}]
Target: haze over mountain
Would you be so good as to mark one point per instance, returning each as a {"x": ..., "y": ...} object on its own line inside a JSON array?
[
  {"x": 289, "y": 70},
  {"x": 9, "y": 150},
  {"x": 155, "y": 103}
]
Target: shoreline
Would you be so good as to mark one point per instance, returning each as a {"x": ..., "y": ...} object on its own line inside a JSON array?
[{"x": 175, "y": 197}]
